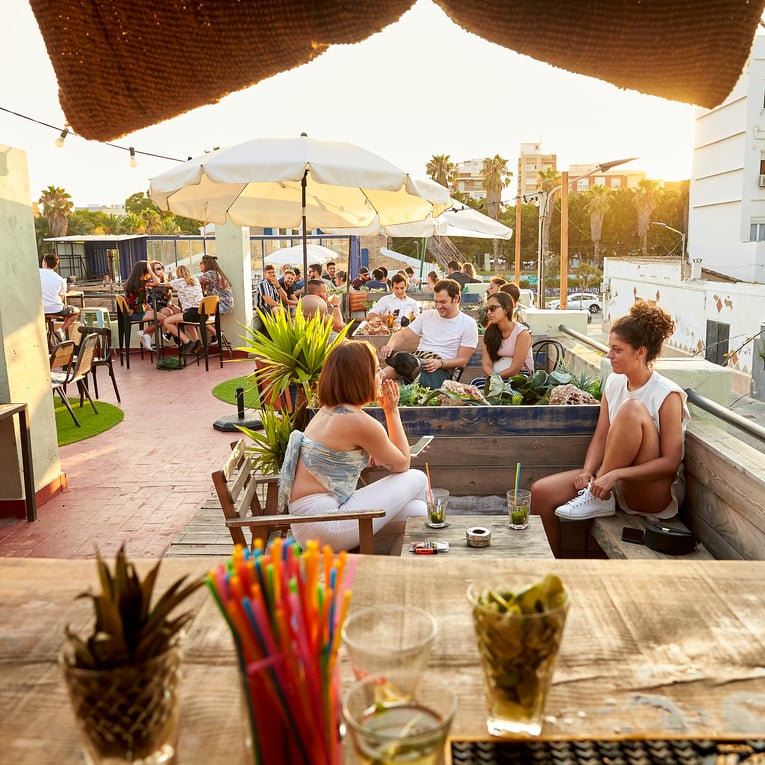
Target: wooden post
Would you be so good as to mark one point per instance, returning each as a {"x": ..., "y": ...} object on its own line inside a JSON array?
[
  {"x": 564, "y": 241},
  {"x": 518, "y": 211}
]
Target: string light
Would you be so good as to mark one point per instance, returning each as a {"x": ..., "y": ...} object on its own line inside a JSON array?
[
  {"x": 66, "y": 130},
  {"x": 60, "y": 140}
]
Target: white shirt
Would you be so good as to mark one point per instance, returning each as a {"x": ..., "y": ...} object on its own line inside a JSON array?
[
  {"x": 53, "y": 289},
  {"x": 390, "y": 303},
  {"x": 445, "y": 336},
  {"x": 652, "y": 394}
]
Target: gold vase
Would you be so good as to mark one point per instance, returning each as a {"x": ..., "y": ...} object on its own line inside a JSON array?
[{"x": 127, "y": 714}]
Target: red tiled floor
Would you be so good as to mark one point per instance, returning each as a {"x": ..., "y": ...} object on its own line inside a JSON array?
[{"x": 141, "y": 481}]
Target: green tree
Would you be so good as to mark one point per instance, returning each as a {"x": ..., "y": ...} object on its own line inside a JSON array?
[
  {"x": 646, "y": 199},
  {"x": 496, "y": 177},
  {"x": 548, "y": 180},
  {"x": 56, "y": 208},
  {"x": 442, "y": 170},
  {"x": 588, "y": 276},
  {"x": 598, "y": 200}
]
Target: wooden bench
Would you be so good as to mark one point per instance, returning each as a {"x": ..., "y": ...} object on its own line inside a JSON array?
[
  {"x": 240, "y": 490},
  {"x": 607, "y": 532}
]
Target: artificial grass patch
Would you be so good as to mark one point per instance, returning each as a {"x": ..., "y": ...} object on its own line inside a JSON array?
[
  {"x": 91, "y": 424},
  {"x": 226, "y": 391}
]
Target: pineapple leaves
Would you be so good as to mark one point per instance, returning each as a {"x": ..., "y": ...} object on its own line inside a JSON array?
[{"x": 127, "y": 629}]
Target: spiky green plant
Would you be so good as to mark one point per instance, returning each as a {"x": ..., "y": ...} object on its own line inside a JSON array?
[
  {"x": 128, "y": 629},
  {"x": 292, "y": 351},
  {"x": 270, "y": 445}
]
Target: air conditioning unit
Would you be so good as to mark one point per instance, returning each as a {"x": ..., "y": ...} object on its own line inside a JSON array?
[{"x": 762, "y": 181}]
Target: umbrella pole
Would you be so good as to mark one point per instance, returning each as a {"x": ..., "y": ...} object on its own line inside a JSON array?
[{"x": 303, "y": 184}]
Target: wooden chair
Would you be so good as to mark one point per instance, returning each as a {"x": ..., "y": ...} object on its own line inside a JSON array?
[
  {"x": 65, "y": 370},
  {"x": 125, "y": 329},
  {"x": 102, "y": 356},
  {"x": 209, "y": 316},
  {"x": 237, "y": 488}
]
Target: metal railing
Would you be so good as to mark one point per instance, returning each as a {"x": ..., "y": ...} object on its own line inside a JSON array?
[{"x": 719, "y": 411}]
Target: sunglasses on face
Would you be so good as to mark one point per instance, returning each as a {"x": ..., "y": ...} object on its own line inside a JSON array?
[{"x": 492, "y": 308}]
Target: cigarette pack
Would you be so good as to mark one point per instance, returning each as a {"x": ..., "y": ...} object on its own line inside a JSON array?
[{"x": 429, "y": 547}]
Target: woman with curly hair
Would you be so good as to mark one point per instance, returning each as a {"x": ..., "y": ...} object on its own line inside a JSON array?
[{"x": 635, "y": 456}]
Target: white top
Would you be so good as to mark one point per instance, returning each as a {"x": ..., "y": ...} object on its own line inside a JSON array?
[
  {"x": 53, "y": 289},
  {"x": 506, "y": 351},
  {"x": 652, "y": 394},
  {"x": 189, "y": 295},
  {"x": 390, "y": 303},
  {"x": 445, "y": 336}
]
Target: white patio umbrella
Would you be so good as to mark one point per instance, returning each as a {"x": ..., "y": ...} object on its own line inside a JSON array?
[
  {"x": 289, "y": 255},
  {"x": 458, "y": 220},
  {"x": 291, "y": 182}
]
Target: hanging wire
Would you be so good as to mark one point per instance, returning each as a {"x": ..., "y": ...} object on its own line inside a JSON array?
[{"x": 66, "y": 130}]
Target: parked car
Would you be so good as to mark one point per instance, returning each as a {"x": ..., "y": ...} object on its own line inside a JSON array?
[{"x": 579, "y": 301}]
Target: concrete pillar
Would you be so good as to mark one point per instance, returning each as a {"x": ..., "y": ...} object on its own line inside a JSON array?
[
  {"x": 232, "y": 246},
  {"x": 24, "y": 364}
]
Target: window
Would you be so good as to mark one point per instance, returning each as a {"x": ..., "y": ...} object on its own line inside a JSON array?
[
  {"x": 757, "y": 231},
  {"x": 717, "y": 342}
]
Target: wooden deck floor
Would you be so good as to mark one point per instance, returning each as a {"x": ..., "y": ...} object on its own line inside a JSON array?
[{"x": 206, "y": 534}]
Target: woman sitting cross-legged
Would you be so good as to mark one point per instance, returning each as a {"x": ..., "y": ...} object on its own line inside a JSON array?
[
  {"x": 635, "y": 456},
  {"x": 189, "y": 292},
  {"x": 322, "y": 466}
]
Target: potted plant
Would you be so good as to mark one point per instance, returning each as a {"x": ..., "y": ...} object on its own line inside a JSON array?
[
  {"x": 123, "y": 677},
  {"x": 289, "y": 357}
]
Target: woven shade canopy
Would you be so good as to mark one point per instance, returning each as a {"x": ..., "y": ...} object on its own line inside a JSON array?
[{"x": 123, "y": 65}]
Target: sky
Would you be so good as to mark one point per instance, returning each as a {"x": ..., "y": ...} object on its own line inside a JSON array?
[{"x": 421, "y": 87}]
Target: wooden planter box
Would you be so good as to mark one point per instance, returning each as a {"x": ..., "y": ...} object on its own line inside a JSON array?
[{"x": 476, "y": 448}]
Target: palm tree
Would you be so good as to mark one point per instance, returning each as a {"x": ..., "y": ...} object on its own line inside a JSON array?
[
  {"x": 598, "y": 201},
  {"x": 548, "y": 180},
  {"x": 56, "y": 208},
  {"x": 646, "y": 198},
  {"x": 496, "y": 177},
  {"x": 442, "y": 170}
]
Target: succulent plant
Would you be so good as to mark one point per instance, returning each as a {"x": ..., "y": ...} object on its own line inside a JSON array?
[{"x": 128, "y": 630}]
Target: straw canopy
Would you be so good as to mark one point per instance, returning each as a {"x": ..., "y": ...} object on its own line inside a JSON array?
[{"x": 123, "y": 66}]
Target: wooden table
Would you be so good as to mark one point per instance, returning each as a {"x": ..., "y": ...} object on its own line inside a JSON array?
[
  {"x": 9, "y": 411},
  {"x": 505, "y": 542},
  {"x": 662, "y": 649}
]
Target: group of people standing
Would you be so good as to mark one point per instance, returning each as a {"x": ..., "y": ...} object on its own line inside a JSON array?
[{"x": 148, "y": 292}]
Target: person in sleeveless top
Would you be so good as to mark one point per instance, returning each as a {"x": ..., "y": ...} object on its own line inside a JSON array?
[
  {"x": 322, "y": 466},
  {"x": 635, "y": 456}
]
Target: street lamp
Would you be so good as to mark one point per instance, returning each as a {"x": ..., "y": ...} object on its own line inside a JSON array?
[
  {"x": 682, "y": 237},
  {"x": 545, "y": 200}
]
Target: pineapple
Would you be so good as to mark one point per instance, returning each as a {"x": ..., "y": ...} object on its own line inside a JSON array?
[
  {"x": 123, "y": 679},
  {"x": 127, "y": 630}
]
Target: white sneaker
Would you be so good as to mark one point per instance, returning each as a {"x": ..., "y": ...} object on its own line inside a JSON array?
[
  {"x": 585, "y": 506},
  {"x": 144, "y": 339}
]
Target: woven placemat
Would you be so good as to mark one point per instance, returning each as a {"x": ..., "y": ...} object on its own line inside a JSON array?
[{"x": 644, "y": 752}]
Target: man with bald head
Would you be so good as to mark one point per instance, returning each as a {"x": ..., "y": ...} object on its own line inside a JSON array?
[
  {"x": 311, "y": 305},
  {"x": 318, "y": 287}
]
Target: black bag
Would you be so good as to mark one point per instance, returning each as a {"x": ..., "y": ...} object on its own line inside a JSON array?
[
  {"x": 407, "y": 365},
  {"x": 664, "y": 539}
]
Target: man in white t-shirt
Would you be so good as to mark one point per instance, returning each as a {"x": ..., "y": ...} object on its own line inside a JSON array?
[
  {"x": 447, "y": 336},
  {"x": 398, "y": 302},
  {"x": 53, "y": 289}
]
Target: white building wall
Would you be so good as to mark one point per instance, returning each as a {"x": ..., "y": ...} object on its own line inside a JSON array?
[
  {"x": 725, "y": 196},
  {"x": 691, "y": 303}
]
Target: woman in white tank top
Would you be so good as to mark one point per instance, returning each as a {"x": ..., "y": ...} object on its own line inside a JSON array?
[{"x": 635, "y": 456}]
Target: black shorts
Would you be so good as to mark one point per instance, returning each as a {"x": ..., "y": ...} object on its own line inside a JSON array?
[
  {"x": 191, "y": 314},
  {"x": 67, "y": 310}
]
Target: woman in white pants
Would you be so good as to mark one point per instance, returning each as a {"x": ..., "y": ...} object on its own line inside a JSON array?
[{"x": 322, "y": 466}]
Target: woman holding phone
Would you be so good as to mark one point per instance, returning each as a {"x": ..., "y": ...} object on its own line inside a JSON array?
[{"x": 322, "y": 465}]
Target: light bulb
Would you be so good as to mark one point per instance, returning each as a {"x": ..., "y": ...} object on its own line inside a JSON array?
[
  {"x": 133, "y": 160},
  {"x": 60, "y": 140}
]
